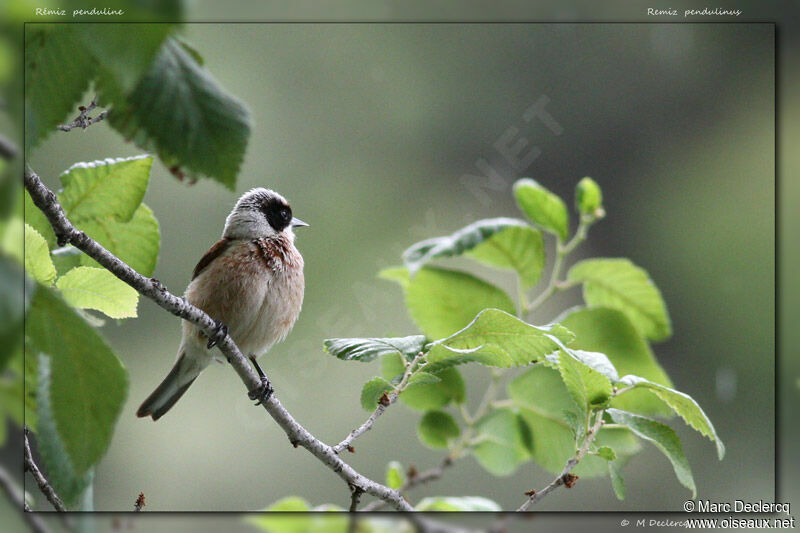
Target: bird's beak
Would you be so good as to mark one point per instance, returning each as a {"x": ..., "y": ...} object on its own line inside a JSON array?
[{"x": 296, "y": 222}]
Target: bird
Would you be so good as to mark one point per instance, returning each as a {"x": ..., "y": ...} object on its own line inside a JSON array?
[{"x": 251, "y": 283}]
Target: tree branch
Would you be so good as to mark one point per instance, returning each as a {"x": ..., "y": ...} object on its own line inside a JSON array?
[
  {"x": 66, "y": 233},
  {"x": 8, "y": 150},
  {"x": 17, "y": 497},
  {"x": 415, "y": 479},
  {"x": 83, "y": 120},
  {"x": 47, "y": 489},
  {"x": 346, "y": 444}
]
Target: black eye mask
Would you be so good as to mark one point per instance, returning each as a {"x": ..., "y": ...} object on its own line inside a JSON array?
[{"x": 279, "y": 215}]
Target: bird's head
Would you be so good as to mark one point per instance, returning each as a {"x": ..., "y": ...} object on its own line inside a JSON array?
[{"x": 261, "y": 213}]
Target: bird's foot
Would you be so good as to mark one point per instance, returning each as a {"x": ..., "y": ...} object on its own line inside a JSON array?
[
  {"x": 220, "y": 332},
  {"x": 263, "y": 392}
]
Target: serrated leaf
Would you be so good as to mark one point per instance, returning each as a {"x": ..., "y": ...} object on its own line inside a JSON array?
[
  {"x": 617, "y": 482},
  {"x": 683, "y": 405},
  {"x": 458, "y": 504},
  {"x": 543, "y": 401},
  {"x": 436, "y": 429},
  {"x": 423, "y": 378},
  {"x": 136, "y": 242},
  {"x": 497, "y": 338},
  {"x": 111, "y": 189},
  {"x": 36, "y": 219},
  {"x": 57, "y": 73},
  {"x": 38, "y": 264},
  {"x": 587, "y": 386},
  {"x": 504, "y": 442},
  {"x": 609, "y": 331},
  {"x": 367, "y": 349},
  {"x": 606, "y": 452},
  {"x": 442, "y": 301},
  {"x": 88, "y": 383},
  {"x": 619, "y": 284},
  {"x": 395, "y": 477},
  {"x": 98, "y": 289},
  {"x": 372, "y": 391},
  {"x": 182, "y": 113},
  {"x": 425, "y": 396},
  {"x": 68, "y": 484},
  {"x": 499, "y": 242},
  {"x": 664, "y": 438},
  {"x": 542, "y": 207},
  {"x": 124, "y": 50}
]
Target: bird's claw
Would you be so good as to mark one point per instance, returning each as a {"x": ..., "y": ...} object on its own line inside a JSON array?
[
  {"x": 262, "y": 393},
  {"x": 220, "y": 332}
]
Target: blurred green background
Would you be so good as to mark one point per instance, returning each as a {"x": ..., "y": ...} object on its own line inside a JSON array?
[{"x": 368, "y": 130}]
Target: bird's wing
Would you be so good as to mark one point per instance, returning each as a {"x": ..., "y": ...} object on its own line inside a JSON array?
[{"x": 215, "y": 251}]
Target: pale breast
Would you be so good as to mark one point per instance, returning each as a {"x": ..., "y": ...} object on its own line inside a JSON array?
[{"x": 255, "y": 288}]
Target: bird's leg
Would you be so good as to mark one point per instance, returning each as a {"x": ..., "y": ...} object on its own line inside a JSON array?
[
  {"x": 262, "y": 393},
  {"x": 220, "y": 332}
]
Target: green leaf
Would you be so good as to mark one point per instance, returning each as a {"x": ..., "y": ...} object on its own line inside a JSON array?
[
  {"x": 683, "y": 405},
  {"x": 423, "y": 378},
  {"x": 588, "y": 387},
  {"x": 442, "y": 301},
  {"x": 663, "y": 437},
  {"x": 425, "y": 396},
  {"x": 280, "y": 517},
  {"x": 15, "y": 291},
  {"x": 395, "y": 477},
  {"x": 66, "y": 258},
  {"x": 458, "y": 504},
  {"x": 499, "y": 242},
  {"x": 609, "y": 331},
  {"x": 99, "y": 289},
  {"x": 588, "y": 196},
  {"x": 542, "y": 207},
  {"x": 497, "y": 338},
  {"x": 372, "y": 391},
  {"x": 38, "y": 264},
  {"x": 57, "y": 73},
  {"x": 543, "y": 402},
  {"x": 136, "y": 242},
  {"x": 436, "y": 429},
  {"x": 607, "y": 453},
  {"x": 36, "y": 219},
  {"x": 619, "y": 284},
  {"x": 182, "y": 113},
  {"x": 123, "y": 50},
  {"x": 368, "y": 349},
  {"x": 88, "y": 383},
  {"x": 504, "y": 442},
  {"x": 61, "y": 472},
  {"x": 105, "y": 190},
  {"x": 617, "y": 482}
]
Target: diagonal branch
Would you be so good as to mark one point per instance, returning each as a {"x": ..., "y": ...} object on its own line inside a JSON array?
[
  {"x": 66, "y": 233},
  {"x": 415, "y": 479},
  {"x": 347, "y": 443},
  {"x": 47, "y": 489}
]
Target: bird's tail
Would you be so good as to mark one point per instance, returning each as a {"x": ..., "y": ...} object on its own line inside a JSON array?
[{"x": 171, "y": 389}]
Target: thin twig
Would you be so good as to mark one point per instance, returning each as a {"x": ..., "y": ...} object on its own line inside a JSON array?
[
  {"x": 66, "y": 233},
  {"x": 83, "y": 120},
  {"x": 415, "y": 479},
  {"x": 17, "y": 497},
  {"x": 47, "y": 489},
  {"x": 355, "y": 497},
  {"x": 347, "y": 443}
]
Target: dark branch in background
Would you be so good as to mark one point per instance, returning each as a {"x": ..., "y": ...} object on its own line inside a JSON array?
[
  {"x": 66, "y": 233},
  {"x": 8, "y": 150},
  {"x": 17, "y": 498},
  {"x": 83, "y": 120},
  {"x": 44, "y": 485}
]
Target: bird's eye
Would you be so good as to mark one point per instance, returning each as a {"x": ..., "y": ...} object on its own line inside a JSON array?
[{"x": 285, "y": 214}]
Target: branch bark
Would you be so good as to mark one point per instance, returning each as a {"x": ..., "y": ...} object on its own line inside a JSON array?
[
  {"x": 44, "y": 486},
  {"x": 151, "y": 288},
  {"x": 83, "y": 120},
  {"x": 17, "y": 497}
]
